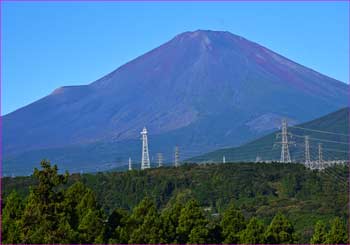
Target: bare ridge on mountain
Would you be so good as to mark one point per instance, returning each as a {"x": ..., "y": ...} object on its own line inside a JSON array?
[{"x": 204, "y": 89}]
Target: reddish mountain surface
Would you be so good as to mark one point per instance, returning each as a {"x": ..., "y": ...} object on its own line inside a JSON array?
[{"x": 201, "y": 90}]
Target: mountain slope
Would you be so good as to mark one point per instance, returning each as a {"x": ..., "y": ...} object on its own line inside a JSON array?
[
  {"x": 335, "y": 146},
  {"x": 201, "y": 90}
]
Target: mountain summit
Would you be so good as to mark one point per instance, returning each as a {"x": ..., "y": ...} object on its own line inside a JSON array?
[{"x": 201, "y": 90}]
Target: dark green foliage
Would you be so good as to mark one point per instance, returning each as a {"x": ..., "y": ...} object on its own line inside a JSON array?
[
  {"x": 254, "y": 232},
  {"x": 199, "y": 235},
  {"x": 232, "y": 224},
  {"x": 279, "y": 231},
  {"x": 337, "y": 233},
  {"x": 90, "y": 226},
  {"x": 11, "y": 215},
  {"x": 170, "y": 220},
  {"x": 43, "y": 219},
  {"x": 290, "y": 185},
  {"x": 115, "y": 223},
  {"x": 145, "y": 222},
  {"x": 188, "y": 204},
  {"x": 191, "y": 221},
  {"x": 320, "y": 233}
]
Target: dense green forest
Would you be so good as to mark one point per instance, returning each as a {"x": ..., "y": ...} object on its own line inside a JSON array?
[{"x": 213, "y": 203}]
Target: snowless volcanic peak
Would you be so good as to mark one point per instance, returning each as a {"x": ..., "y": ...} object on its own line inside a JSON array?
[{"x": 201, "y": 89}]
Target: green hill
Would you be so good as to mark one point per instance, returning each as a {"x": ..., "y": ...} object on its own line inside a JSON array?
[
  {"x": 260, "y": 190},
  {"x": 335, "y": 144}
]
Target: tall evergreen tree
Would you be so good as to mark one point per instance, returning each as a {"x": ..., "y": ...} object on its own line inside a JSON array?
[
  {"x": 145, "y": 223},
  {"x": 11, "y": 215},
  {"x": 280, "y": 230},
  {"x": 91, "y": 227},
  {"x": 90, "y": 218},
  {"x": 72, "y": 198},
  {"x": 320, "y": 233},
  {"x": 232, "y": 224},
  {"x": 337, "y": 233},
  {"x": 191, "y": 216},
  {"x": 254, "y": 232},
  {"x": 199, "y": 235},
  {"x": 44, "y": 218},
  {"x": 170, "y": 221},
  {"x": 148, "y": 231},
  {"x": 116, "y": 220}
]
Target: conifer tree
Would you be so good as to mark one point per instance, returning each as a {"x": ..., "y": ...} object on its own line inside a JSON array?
[
  {"x": 11, "y": 215},
  {"x": 320, "y": 233},
  {"x": 254, "y": 232},
  {"x": 337, "y": 233},
  {"x": 191, "y": 216},
  {"x": 43, "y": 219},
  {"x": 232, "y": 224},
  {"x": 280, "y": 230}
]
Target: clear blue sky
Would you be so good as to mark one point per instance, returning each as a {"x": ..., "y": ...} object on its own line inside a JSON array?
[{"x": 48, "y": 45}]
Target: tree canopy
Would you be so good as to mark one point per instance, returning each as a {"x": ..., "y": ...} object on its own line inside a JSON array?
[{"x": 65, "y": 209}]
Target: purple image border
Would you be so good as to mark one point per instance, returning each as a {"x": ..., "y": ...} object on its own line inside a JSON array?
[{"x": 150, "y": 1}]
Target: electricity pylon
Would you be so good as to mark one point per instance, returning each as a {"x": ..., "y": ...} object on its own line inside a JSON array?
[
  {"x": 145, "y": 163},
  {"x": 320, "y": 157},
  {"x": 176, "y": 156},
  {"x": 130, "y": 164},
  {"x": 160, "y": 159},
  {"x": 285, "y": 154},
  {"x": 307, "y": 152}
]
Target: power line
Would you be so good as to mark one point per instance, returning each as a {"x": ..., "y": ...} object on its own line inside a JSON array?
[
  {"x": 318, "y": 139},
  {"x": 320, "y": 131}
]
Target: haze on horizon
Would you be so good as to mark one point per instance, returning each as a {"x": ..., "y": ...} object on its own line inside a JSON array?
[{"x": 48, "y": 45}]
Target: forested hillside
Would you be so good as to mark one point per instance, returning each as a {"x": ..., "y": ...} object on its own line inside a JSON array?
[
  {"x": 192, "y": 203},
  {"x": 332, "y": 130}
]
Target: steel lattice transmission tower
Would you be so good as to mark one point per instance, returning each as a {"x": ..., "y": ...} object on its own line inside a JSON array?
[
  {"x": 285, "y": 155},
  {"x": 224, "y": 159},
  {"x": 145, "y": 163},
  {"x": 130, "y": 164},
  {"x": 258, "y": 158},
  {"x": 176, "y": 156},
  {"x": 307, "y": 152},
  {"x": 160, "y": 159},
  {"x": 320, "y": 157}
]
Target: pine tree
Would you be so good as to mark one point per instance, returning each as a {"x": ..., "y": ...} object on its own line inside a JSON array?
[
  {"x": 90, "y": 226},
  {"x": 11, "y": 214},
  {"x": 170, "y": 216},
  {"x": 72, "y": 197},
  {"x": 320, "y": 233},
  {"x": 43, "y": 219},
  {"x": 191, "y": 216},
  {"x": 232, "y": 224},
  {"x": 117, "y": 219},
  {"x": 170, "y": 221},
  {"x": 148, "y": 231},
  {"x": 254, "y": 232},
  {"x": 280, "y": 230},
  {"x": 337, "y": 233},
  {"x": 144, "y": 223},
  {"x": 199, "y": 235},
  {"x": 90, "y": 218}
]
